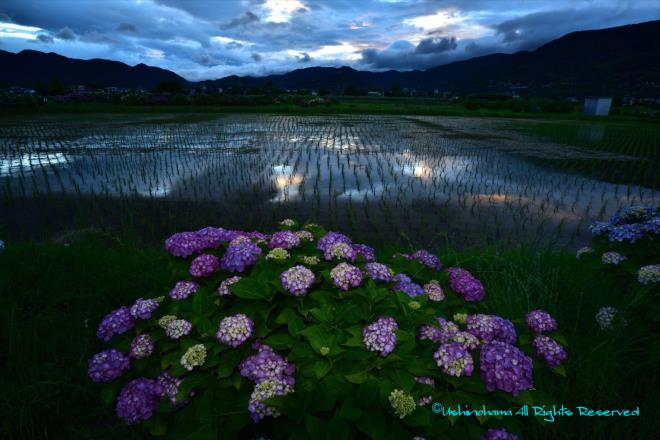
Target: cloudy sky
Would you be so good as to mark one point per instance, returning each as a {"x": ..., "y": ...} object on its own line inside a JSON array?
[{"x": 211, "y": 39}]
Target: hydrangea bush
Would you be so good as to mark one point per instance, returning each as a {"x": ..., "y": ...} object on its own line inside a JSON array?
[
  {"x": 626, "y": 248},
  {"x": 304, "y": 334}
]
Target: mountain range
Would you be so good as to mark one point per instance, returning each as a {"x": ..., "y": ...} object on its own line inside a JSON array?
[{"x": 614, "y": 60}]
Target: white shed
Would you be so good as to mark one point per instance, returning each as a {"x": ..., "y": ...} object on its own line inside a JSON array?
[{"x": 597, "y": 105}]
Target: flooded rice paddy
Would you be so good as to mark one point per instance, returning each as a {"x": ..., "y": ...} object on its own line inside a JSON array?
[{"x": 424, "y": 180}]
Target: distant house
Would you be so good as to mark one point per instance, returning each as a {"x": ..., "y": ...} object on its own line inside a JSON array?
[
  {"x": 597, "y": 105},
  {"x": 374, "y": 93}
]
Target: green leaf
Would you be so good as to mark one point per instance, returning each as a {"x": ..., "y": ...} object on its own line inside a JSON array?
[
  {"x": 349, "y": 410},
  {"x": 337, "y": 429},
  {"x": 367, "y": 393},
  {"x": 357, "y": 377},
  {"x": 321, "y": 368},
  {"x": 205, "y": 407},
  {"x": 315, "y": 427},
  {"x": 560, "y": 370},
  {"x": 316, "y": 335},
  {"x": 156, "y": 426},
  {"x": 419, "y": 417},
  {"x": 108, "y": 393},
  {"x": 372, "y": 423},
  {"x": 280, "y": 340},
  {"x": 248, "y": 288},
  {"x": 201, "y": 302}
]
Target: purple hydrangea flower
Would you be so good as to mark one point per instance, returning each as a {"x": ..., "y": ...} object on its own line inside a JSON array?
[
  {"x": 223, "y": 288},
  {"x": 305, "y": 235},
  {"x": 463, "y": 282},
  {"x": 427, "y": 259},
  {"x": 612, "y": 258},
  {"x": 266, "y": 364},
  {"x": 652, "y": 226},
  {"x": 297, "y": 280},
  {"x": 630, "y": 233},
  {"x": 142, "y": 347},
  {"x": 366, "y": 252},
  {"x": 406, "y": 285},
  {"x": 379, "y": 272},
  {"x": 345, "y": 276},
  {"x": 115, "y": 323},
  {"x": 498, "y": 434},
  {"x": 599, "y": 228},
  {"x": 183, "y": 289},
  {"x": 107, "y": 365},
  {"x": 549, "y": 349},
  {"x": 505, "y": 368},
  {"x": 204, "y": 265},
  {"x": 239, "y": 257},
  {"x": 284, "y": 240},
  {"x": 138, "y": 400},
  {"x": 331, "y": 238},
  {"x": 339, "y": 251},
  {"x": 633, "y": 214},
  {"x": 177, "y": 328},
  {"x": 184, "y": 244},
  {"x": 425, "y": 380},
  {"x": 467, "y": 340},
  {"x": 143, "y": 308},
  {"x": 430, "y": 333},
  {"x": 212, "y": 237},
  {"x": 434, "y": 291},
  {"x": 649, "y": 274},
  {"x": 170, "y": 386},
  {"x": 234, "y": 330},
  {"x": 454, "y": 359},
  {"x": 380, "y": 336},
  {"x": 262, "y": 392},
  {"x": 540, "y": 321},
  {"x": 256, "y": 235},
  {"x": 491, "y": 328}
]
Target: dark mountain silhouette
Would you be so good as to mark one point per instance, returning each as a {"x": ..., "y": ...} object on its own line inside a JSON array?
[
  {"x": 30, "y": 67},
  {"x": 615, "y": 60},
  {"x": 609, "y": 60}
]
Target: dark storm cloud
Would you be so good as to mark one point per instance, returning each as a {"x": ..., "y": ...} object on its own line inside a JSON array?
[
  {"x": 243, "y": 20},
  {"x": 434, "y": 45},
  {"x": 256, "y": 57},
  {"x": 532, "y": 30},
  {"x": 127, "y": 27},
  {"x": 304, "y": 58},
  {"x": 66, "y": 34},
  {"x": 45, "y": 38},
  {"x": 4, "y": 18},
  {"x": 429, "y": 52}
]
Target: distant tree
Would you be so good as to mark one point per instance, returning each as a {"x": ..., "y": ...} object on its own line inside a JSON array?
[
  {"x": 351, "y": 91},
  {"x": 53, "y": 87},
  {"x": 169, "y": 86},
  {"x": 235, "y": 90},
  {"x": 396, "y": 90}
]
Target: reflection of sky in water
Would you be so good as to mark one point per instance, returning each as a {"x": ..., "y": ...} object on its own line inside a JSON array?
[
  {"x": 23, "y": 163},
  {"x": 294, "y": 160}
]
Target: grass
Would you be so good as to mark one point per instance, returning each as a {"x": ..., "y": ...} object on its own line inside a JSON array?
[
  {"x": 54, "y": 296},
  {"x": 345, "y": 105},
  {"x": 638, "y": 141}
]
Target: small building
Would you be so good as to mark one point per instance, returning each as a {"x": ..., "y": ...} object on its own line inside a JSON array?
[
  {"x": 374, "y": 93},
  {"x": 597, "y": 105}
]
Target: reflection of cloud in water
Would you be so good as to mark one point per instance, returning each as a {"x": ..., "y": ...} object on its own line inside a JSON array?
[
  {"x": 356, "y": 194},
  {"x": 31, "y": 160},
  {"x": 287, "y": 183}
]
